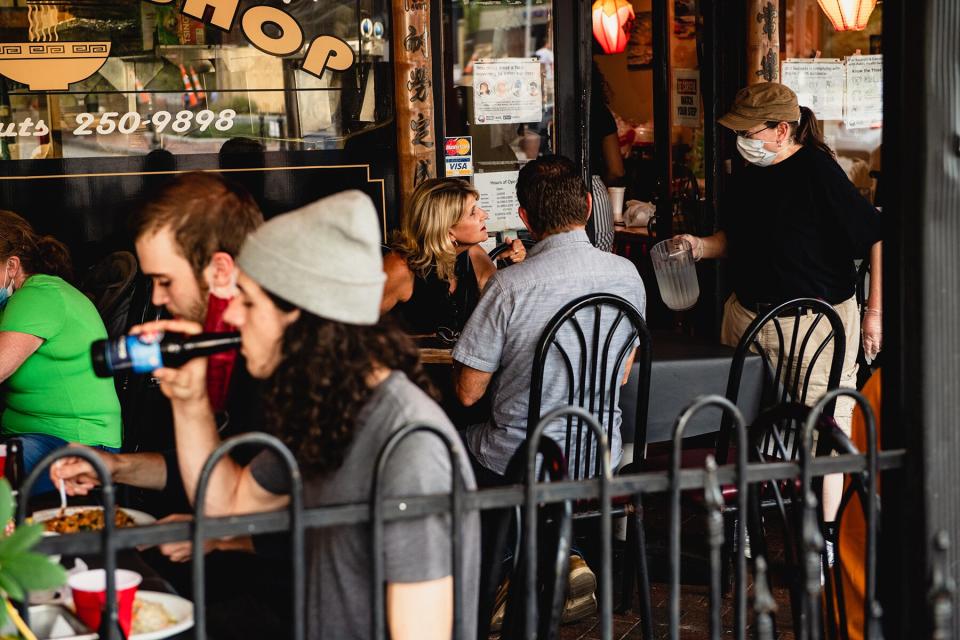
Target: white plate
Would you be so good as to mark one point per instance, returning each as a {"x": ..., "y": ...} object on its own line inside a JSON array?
[
  {"x": 139, "y": 517},
  {"x": 180, "y": 608}
]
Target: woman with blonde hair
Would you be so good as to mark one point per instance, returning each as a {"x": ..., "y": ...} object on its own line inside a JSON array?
[{"x": 437, "y": 268}]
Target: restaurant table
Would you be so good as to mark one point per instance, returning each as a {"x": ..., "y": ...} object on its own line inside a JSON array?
[{"x": 683, "y": 368}]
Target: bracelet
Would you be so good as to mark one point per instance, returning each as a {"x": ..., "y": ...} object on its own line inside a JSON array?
[{"x": 874, "y": 311}]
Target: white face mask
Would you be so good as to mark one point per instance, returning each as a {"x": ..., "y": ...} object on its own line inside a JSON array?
[{"x": 754, "y": 152}]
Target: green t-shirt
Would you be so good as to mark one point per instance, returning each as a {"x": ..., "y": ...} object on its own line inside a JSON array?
[{"x": 55, "y": 390}]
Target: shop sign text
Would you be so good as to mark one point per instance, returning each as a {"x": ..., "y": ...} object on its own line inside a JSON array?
[{"x": 325, "y": 52}]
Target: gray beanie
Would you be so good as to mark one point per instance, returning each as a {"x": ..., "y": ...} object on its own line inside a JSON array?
[{"x": 324, "y": 258}]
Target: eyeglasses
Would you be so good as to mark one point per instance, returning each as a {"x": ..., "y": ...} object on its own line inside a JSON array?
[{"x": 749, "y": 134}]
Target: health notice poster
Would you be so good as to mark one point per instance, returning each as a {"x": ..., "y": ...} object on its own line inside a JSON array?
[{"x": 507, "y": 90}]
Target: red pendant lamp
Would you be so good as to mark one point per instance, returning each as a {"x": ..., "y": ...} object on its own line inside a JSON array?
[
  {"x": 845, "y": 15},
  {"x": 609, "y": 19}
]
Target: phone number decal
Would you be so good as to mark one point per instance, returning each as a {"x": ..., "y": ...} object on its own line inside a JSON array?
[{"x": 127, "y": 123}]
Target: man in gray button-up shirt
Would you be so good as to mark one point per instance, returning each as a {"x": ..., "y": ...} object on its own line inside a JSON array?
[{"x": 497, "y": 346}]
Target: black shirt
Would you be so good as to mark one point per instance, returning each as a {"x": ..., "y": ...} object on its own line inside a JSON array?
[
  {"x": 432, "y": 306},
  {"x": 794, "y": 230}
]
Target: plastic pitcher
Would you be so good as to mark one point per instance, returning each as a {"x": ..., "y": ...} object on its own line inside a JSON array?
[{"x": 676, "y": 274}]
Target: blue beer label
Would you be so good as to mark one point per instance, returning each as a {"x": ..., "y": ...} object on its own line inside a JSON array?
[{"x": 141, "y": 351}]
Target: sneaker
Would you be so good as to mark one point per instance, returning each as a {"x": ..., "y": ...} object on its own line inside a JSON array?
[
  {"x": 577, "y": 609},
  {"x": 582, "y": 581}
]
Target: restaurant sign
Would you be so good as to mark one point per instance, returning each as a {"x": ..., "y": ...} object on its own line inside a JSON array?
[{"x": 46, "y": 64}]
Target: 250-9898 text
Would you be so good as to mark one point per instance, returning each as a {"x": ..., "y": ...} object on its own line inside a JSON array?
[{"x": 127, "y": 123}]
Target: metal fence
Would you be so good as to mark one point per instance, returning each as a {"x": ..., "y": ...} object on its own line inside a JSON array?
[{"x": 380, "y": 510}]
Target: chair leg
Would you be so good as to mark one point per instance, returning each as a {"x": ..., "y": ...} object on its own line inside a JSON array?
[
  {"x": 630, "y": 560},
  {"x": 643, "y": 574}
]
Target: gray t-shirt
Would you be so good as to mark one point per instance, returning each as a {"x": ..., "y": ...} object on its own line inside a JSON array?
[
  {"x": 338, "y": 558},
  {"x": 501, "y": 337}
]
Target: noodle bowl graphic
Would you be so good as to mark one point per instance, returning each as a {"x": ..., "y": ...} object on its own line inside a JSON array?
[{"x": 51, "y": 66}]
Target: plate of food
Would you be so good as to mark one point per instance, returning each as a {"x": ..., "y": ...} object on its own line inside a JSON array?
[
  {"x": 74, "y": 519},
  {"x": 159, "y": 615}
]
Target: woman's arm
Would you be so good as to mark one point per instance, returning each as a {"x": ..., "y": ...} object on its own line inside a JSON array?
[
  {"x": 612, "y": 160},
  {"x": 399, "y": 285},
  {"x": 15, "y": 348},
  {"x": 714, "y": 246},
  {"x": 871, "y": 330},
  {"x": 232, "y": 488},
  {"x": 483, "y": 266},
  {"x": 420, "y": 610}
]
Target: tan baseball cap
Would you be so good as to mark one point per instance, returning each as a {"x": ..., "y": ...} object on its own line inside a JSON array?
[{"x": 760, "y": 103}]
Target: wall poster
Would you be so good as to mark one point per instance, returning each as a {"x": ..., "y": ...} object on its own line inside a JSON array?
[
  {"x": 818, "y": 83},
  {"x": 507, "y": 90}
]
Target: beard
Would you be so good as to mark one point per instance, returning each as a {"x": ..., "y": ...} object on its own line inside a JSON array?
[{"x": 198, "y": 309}]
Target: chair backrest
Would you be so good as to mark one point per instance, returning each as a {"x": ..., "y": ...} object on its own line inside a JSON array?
[
  {"x": 590, "y": 339},
  {"x": 795, "y": 346},
  {"x": 110, "y": 284}
]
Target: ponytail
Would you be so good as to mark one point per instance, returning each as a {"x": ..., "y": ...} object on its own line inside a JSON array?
[
  {"x": 45, "y": 255},
  {"x": 808, "y": 133},
  {"x": 53, "y": 258}
]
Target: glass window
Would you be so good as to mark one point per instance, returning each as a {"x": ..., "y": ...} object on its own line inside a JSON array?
[
  {"x": 498, "y": 59},
  {"x": 141, "y": 76}
]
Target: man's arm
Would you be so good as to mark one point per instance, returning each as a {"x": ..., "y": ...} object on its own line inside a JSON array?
[
  {"x": 470, "y": 383},
  {"x": 144, "y": 470},
  {"x": 626, "y": 370},
  {"x": 420, "y": 610}
]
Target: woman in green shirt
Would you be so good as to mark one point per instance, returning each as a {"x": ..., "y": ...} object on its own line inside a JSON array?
[{"x": 50, "y": 394}]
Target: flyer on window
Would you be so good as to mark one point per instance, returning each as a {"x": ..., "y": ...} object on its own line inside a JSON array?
[
  {"x": 498, "y": 197},
  {"x": 818, "y": 83},
  {"x": 507, "y": 90},
  {"x": 864, "y": 91}
]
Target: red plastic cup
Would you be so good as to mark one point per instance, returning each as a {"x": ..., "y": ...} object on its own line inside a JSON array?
[
  {"x": 89, "y": 590},
  {"x": 3, "y": 460}
]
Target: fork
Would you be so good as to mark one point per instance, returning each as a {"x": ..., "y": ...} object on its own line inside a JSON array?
[{"x": 63, "y": 498}]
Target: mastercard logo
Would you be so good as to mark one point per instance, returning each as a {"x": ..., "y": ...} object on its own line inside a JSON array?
[{"x": 457, "y": 147}]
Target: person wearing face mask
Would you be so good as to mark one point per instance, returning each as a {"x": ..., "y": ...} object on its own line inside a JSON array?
[
  {"x": 437, "y": 268},
  {"x": 791, "y": 225},
  {"x": 50, "y": 392}
]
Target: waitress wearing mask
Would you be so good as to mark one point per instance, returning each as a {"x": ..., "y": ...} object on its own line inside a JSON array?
[{"x": 792, "y": 225}]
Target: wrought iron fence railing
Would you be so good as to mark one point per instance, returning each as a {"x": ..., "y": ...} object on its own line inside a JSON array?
[{"x": 296, "y": 519}]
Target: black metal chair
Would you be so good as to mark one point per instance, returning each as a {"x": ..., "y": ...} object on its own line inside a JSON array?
[
  {"x": 776, "y": 436},
  {"x": 553, "y": 532},
  {"x": 591, "y": 339},
  {"x": 788, "y": 367},
  {"x": 784, "y": 382}
]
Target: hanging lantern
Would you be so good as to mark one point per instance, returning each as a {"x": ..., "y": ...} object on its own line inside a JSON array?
[
  {"x": 846, "y": 15},
  {"x": 609, "y": 19}
]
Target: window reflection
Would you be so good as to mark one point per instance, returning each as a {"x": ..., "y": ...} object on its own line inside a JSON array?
[
  {"x": 498, "y": 31},
  {"x": 174, "y": 83}
]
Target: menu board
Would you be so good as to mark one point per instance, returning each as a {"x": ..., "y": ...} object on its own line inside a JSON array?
[
  {"x": 864, "y": 91},
  {"x": 818, "y": 83},
  {"x": 498, "y": 197},
  {"x": 507, "y": 90}
]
